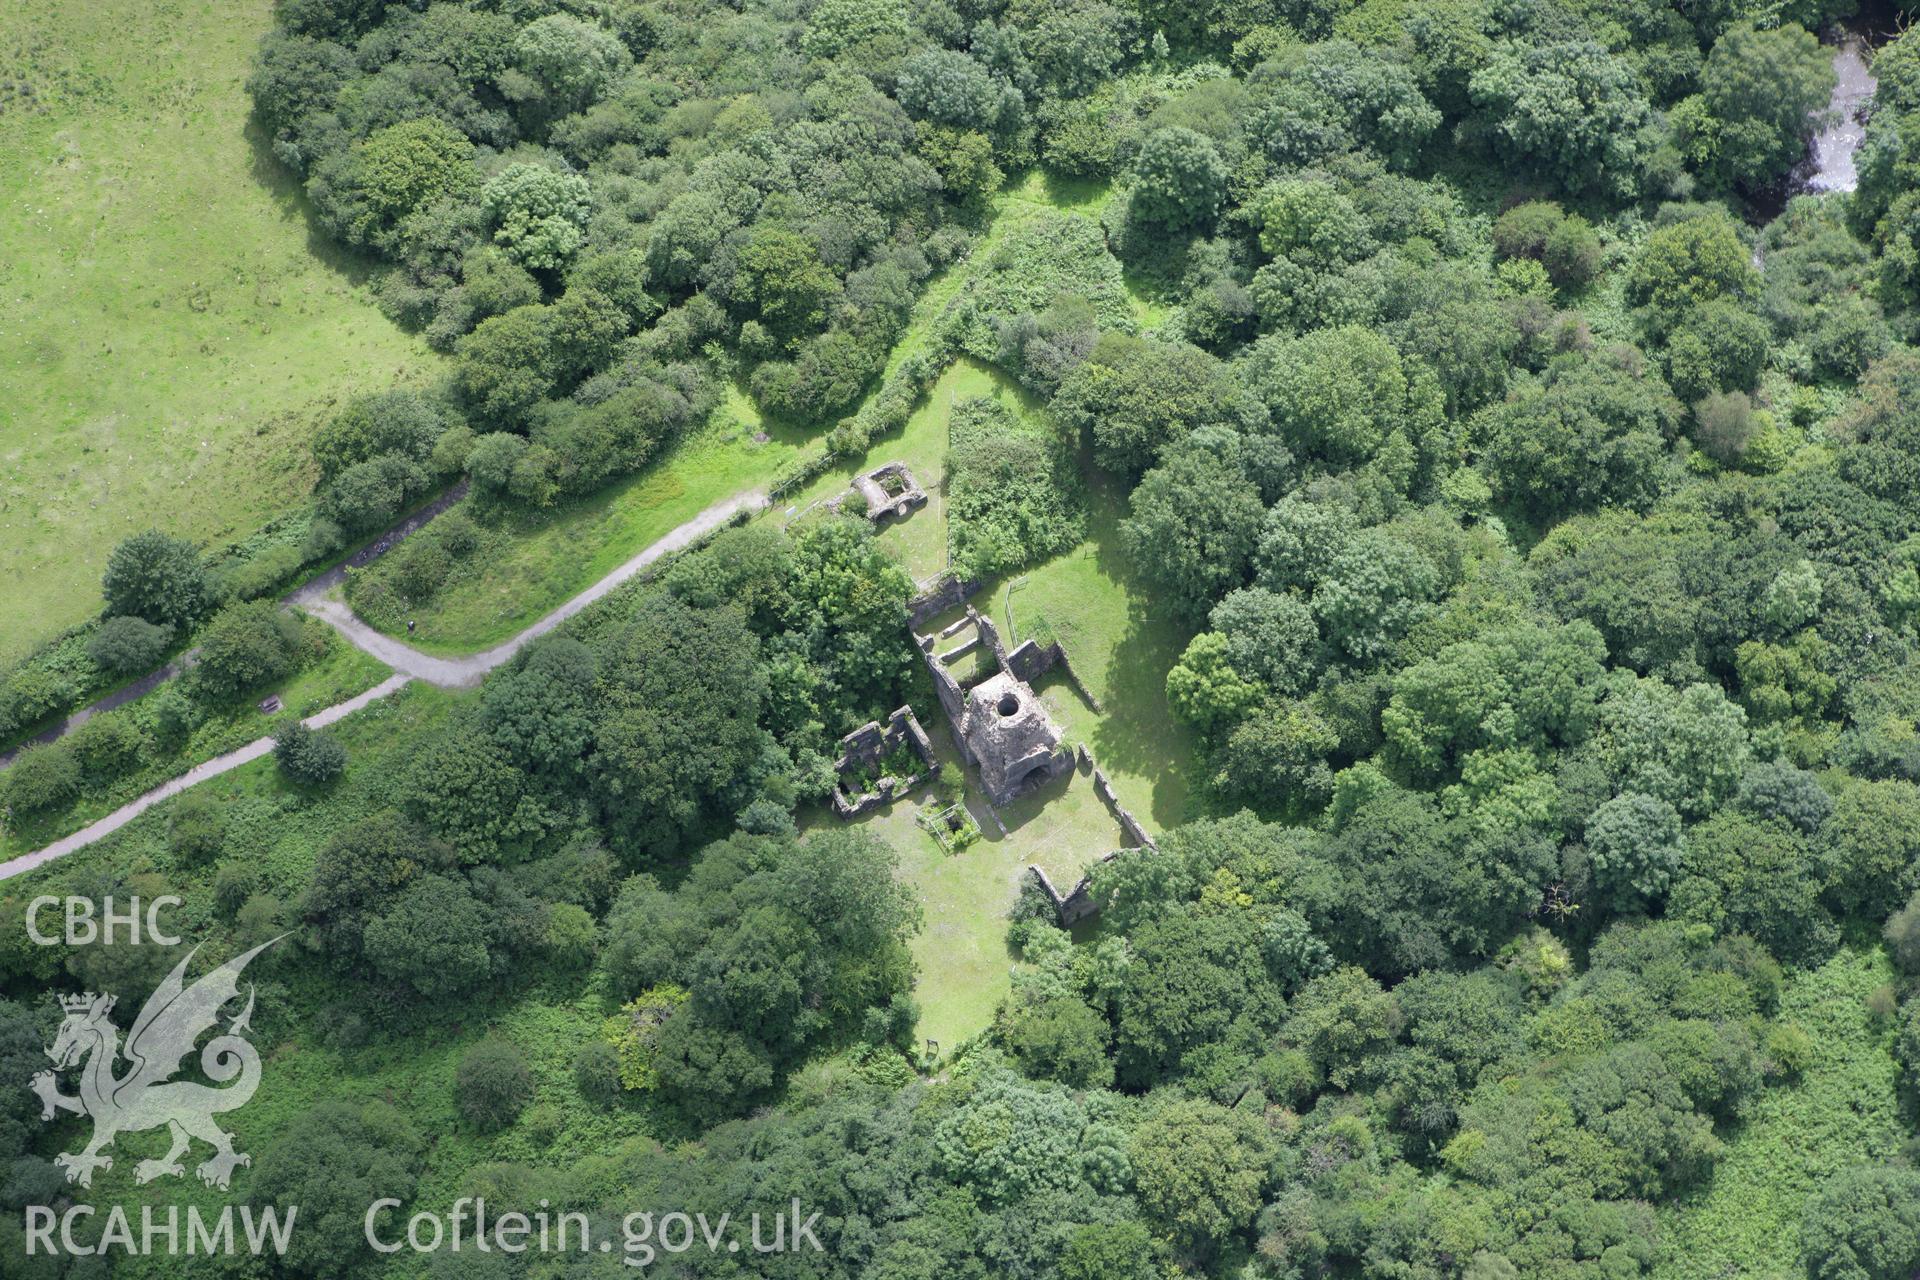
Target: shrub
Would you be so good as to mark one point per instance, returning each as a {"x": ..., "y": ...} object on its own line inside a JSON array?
[
  {"x": 422, "y": 570},
  {"x": 262, "y": 574},
  {"x": 1564, "y": 243},
  {"x": 1903, "y": 936},
  {"x": 492, "y": 1085},
  {"x": 370, "y": 495},
  {"x": 1724, "y": 425},
  {"x": 126, "y": 644},
  {"x": 233, "y": 885},
  {"x": 42, "y": 778},
  {"x": 1789, "y": 1048},
  {"x": 33, "y": 694},
  {"x": 458, "y": 534},
  {"x": 173, "y": 714},
  {"x": 493, "y": 458},
  {"x": 260, "y": 917},
  {"x": 155, "y": 577},
  {"x": 246, "y": 645},
  {"x": 1572, "y": 252},
  {"x": 108, "y": 745},
  {"x": 571, "y": 935},
  {"x": 596, "y": 1073},
  {"x": 307, "y": 757},
  {"x": 196, "y": 829}
]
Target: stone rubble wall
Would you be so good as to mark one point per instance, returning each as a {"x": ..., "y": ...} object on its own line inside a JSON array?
[
  {"x": 1077, "y": 904},
  {"x": 948, "y": 593},
  {"x": 1129, "y": 825},
  {"x": 867, "y": 745}
]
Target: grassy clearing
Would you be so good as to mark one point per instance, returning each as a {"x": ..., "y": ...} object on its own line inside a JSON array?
[
  {"x": 961, "y": 949},
  {"x": 920, "y": 540},
  {"x": 1844, "y": 1111},
  {"x": 339, "y": 674},
  {"x": 172, "y": 329},
  {"x": 1122, "y": 647},
  {"x": 548, "y": 557}
]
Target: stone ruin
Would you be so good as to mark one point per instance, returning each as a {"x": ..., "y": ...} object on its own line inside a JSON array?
[
  {"x": 869, "y": 745},
  {"x": 999, "y": 723},
  {"x": 890, "y": 490},
  {"x": 1002, "y": 729},
  {"x": 1072, "y": 907},
  {"x": 1011, "y": 737},
  {"x": 1077, "y": 903}
]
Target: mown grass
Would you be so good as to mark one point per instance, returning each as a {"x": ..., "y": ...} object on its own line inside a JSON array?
[
  {"x": 1121, "y": 644},
  {"x": 172, "y": 328},
  {"x": 1843, "y": 1111},
  {"x": 919, "y": 541},
  {"x": 1115, "y": 644},
  {"x": 964, "y": 966}
]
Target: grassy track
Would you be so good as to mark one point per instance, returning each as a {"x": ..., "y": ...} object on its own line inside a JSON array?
[{"x": 171, "y": 327}]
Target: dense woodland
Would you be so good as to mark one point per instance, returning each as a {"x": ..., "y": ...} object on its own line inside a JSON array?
[{"x": 1541, "y": 490}]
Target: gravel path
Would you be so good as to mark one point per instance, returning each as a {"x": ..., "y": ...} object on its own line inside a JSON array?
[
  {"x": 324, "y": 582},
  {"x": 408, "y": 663},
  {"x": 461, "y": 673},
  {"x": 118, "y": 698}
]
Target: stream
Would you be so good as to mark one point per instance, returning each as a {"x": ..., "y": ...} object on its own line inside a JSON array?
[{"x": 1830, "y": 159}]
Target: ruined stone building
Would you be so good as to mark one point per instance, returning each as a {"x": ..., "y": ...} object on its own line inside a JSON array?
[
  {"x": 867, "y": 748},
  {"x": 999, "y": 723},
  {"x": 890, "y": 490}
]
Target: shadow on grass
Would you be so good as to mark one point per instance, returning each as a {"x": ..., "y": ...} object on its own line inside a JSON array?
[
  {"x": 1073, "y": 193},
  {"x": 1137, "y": 732},
  {"x": 1030, "y": 803},
  {"x": 290, "y": 198}
]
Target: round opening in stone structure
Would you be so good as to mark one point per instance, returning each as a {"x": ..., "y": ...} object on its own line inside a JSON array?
[{"x": 1008, "y": 704}]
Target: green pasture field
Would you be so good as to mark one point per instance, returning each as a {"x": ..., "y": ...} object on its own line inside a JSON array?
[{"x": 172, "y": 327}]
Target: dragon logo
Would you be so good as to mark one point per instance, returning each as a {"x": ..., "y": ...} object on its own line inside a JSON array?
[{"x": 174, "y": 1017}]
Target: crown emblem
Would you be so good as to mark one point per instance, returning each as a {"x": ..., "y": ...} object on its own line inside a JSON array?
[{"x": 83, "y": 1002}]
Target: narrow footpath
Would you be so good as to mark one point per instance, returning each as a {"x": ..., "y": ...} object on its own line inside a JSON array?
[
  {"x": 199, "y": 773},
  {"x": 408, "y": 663}
]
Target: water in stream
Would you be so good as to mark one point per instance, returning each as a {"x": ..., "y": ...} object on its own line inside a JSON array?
[{"x": 1830, "y": 161}]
